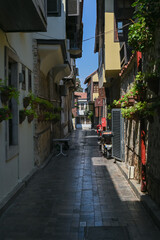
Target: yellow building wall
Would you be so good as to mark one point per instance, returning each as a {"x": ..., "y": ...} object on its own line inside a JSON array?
[
  {"x": 95, "y": 77},
  {"x": 112, "y": 56},
  {"x": 95, "y": 95}
]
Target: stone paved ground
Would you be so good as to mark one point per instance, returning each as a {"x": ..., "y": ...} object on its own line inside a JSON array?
[{"x": 75, "y": 192}]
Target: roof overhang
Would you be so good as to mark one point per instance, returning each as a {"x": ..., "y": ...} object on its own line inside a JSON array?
[{"x": 53, "y": 55}]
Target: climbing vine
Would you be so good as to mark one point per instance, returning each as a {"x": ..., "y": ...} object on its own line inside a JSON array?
[{"x": 145, "y": 20}]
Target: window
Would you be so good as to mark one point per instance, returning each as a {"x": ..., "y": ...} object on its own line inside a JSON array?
[
  {"x": 54, "y": 8},
  {"x": 120, "y": 28},
  {"x": 23, "y": 78},
  {"x": 82, "y": 106},
  {"x": 29, "y": 80},
  {"x": 12, "y": 80},
  {"x": 11, "y": 74},
  {"x": 95, "y": 87}
]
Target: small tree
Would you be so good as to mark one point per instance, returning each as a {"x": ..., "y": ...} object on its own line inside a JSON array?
[{"x": 78, "y": 85}]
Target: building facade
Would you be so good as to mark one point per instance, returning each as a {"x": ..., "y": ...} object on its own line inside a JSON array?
[{"x": 36, "y": 60}]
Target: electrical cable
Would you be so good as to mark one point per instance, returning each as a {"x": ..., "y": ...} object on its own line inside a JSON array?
[{"x": 87, "y": 39}]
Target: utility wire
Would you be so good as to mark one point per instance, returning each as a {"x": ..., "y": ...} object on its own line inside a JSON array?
[{"x": 87, "y": 39}]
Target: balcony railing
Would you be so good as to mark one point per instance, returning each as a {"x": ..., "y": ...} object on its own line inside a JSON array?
[{"x": 125, "y": 54}]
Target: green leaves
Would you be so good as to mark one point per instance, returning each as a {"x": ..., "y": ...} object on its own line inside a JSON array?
[{"x": 141, "y": 33}]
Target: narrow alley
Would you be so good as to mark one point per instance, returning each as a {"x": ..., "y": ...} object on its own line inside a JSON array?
[{"x": 81, "y": 196}]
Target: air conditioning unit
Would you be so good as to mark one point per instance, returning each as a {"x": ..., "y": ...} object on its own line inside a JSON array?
[{"x": 73, "y": 7}]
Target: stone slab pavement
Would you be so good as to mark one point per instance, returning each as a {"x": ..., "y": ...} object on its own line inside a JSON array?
[{"x": 74, "y": 194}]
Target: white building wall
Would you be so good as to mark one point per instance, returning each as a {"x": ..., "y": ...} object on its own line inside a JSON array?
[
  {"x": 56, "y": 26},
  {"x": 15, "y": 169}
]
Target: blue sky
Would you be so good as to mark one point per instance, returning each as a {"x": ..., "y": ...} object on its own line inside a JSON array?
[{"x": 88, "y": 63}]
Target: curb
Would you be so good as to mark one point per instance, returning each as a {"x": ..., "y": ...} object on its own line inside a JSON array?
[{"x": 152, "y": 208}]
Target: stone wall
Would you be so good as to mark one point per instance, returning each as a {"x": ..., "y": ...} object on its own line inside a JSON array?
[
  {"x": 131, "y": 127},
  {"x": 151, "y": 63},
  {"x": 45, "y": 88},
  {"x": 42, "y": 138}
]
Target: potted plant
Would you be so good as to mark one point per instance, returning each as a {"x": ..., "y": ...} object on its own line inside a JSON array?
[
  {"x": 26, "y": 101},
  {"x": 31, "y": 114},
  {"x": 109, "y": 116},
  {"x": 5, "y": 114},
  {"x": 8, "y": 92}
]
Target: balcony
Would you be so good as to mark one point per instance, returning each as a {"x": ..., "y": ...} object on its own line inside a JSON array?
[
  {"x": 53, "y": 56},
  {"x": 23, "y": 16},
  {"x": 75, "y": 27}
]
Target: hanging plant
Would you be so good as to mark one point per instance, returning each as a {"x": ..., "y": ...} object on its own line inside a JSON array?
[
  {"x": 141, "y": 32},
  {"x": 5, "y": 114},
  {"x": 26, "y": 101},
  {"x": 8, "y": 92},
  {"x": 109, "y": 116},
  {"x": 31, "y": 114}
]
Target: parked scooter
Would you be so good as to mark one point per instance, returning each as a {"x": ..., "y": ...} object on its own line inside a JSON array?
[{"x": 106, "y": 143}]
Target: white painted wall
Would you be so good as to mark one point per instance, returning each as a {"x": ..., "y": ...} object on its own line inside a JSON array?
[
  {"x": 14, "y": 170},
  {"x": 56, "y": 26}
]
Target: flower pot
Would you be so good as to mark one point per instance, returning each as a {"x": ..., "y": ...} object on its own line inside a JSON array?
[
  {"x": 26, "y": 102},
  {"x": 118, "y": 105},
  {"x": 137, "y": 98},
  {"x": 5, "y": 97},
  {"x": 30, "y": 118},
  {"x": 131, "y": 100}
]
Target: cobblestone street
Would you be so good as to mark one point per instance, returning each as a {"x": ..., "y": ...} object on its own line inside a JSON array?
[{"x": 72, "y": 194}]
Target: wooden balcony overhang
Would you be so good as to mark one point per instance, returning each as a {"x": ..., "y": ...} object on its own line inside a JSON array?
[
  {"x": 53, "y": 55},
  {"x": 23, "y": 16}
]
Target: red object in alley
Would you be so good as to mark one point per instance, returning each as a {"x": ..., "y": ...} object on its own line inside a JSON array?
[
  {"x": 139, "y": 57},
  {"x": 143, "y": 160},
  {"x": 103, "y": 122},
  {"x": 99, "y": 128}
]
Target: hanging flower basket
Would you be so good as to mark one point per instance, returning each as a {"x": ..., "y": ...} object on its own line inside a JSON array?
[
  {"x": 5, "y": 96},
  {"x": 30, "y": 118},
  {"x": 5, "y": 114},
  {"x": 8, "y": 92},
  {"x": 26, "y": 101}
]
